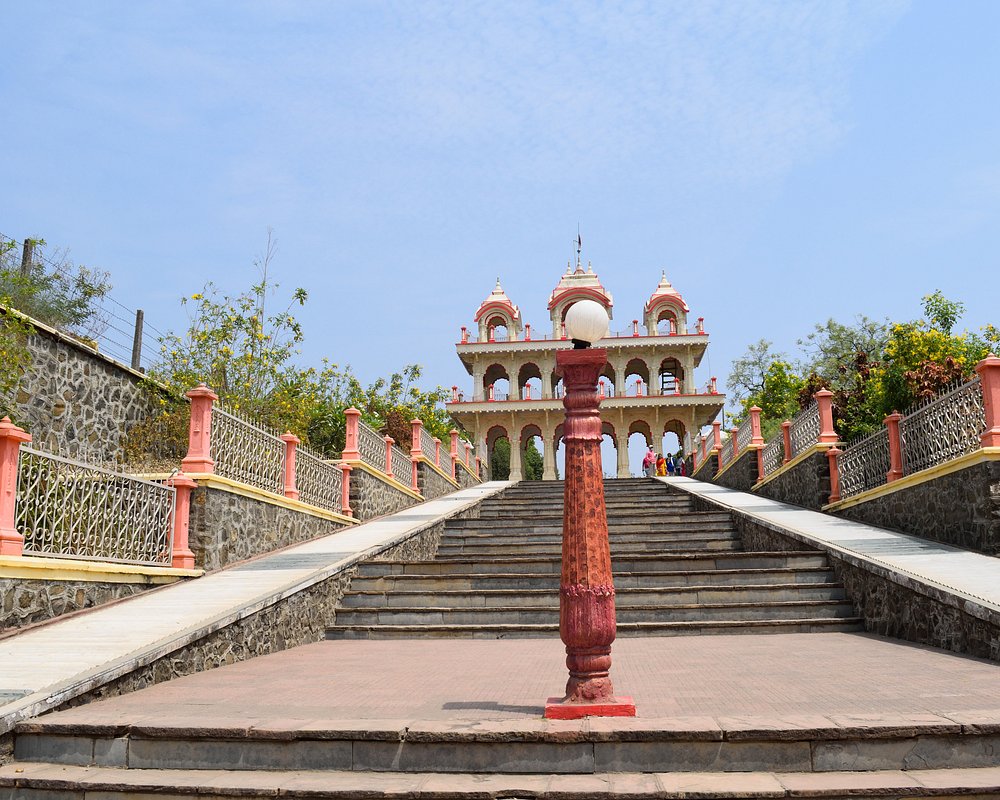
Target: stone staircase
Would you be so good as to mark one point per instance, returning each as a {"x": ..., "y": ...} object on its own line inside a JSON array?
[{"x": 677, "y": 572}]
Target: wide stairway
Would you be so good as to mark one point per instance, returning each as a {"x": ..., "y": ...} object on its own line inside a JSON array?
[{"x": 677, "y": 571}]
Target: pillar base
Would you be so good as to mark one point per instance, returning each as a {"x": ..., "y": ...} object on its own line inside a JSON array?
[{"x": 558, "y": 708}]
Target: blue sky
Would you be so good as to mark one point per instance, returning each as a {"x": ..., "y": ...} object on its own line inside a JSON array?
[{"x": 784, "y": 162}]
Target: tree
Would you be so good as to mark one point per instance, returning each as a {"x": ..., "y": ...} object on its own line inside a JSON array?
[
  {"x": 532, "y": 461},
  {"x": 500, "y": 460},
  {"x": 832, "y": 347},
  {"x": 747, "y": 375}
]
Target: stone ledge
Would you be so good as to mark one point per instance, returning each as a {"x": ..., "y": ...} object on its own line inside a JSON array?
[
  {"x": 67, "y": 569},
  {"x": 393, "y": 482},
  {"x": 737, "y": 456},
  {"x": 423, "y": 459},
  {"x": 784, "y": 468}
]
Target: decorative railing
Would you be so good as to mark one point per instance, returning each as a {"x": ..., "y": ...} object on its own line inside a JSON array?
[
  {"x": 744, "y": 434},
  {"x": 427, "y": 444},
  {"x": 319, "y": 482},
  {"x": 371, "y": 446},
  {"x": 402, "y": 466},
  {"x": 70, "y": 509},
  {"x": 726, "y": 453},
  {"x": 944, "y": 427},
  {"x": 805, "y": 429},
  {"x": 773, "y": 455},
  {"x": 246, "y": 452},
  {"x": 864, "y": 464}
]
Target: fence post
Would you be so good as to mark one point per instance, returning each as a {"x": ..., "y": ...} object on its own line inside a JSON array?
[
  {"x": 454, "y": 452},
  {"x": 437, "y": 452},
  {"x": 27, "y": 257},
  {"x": 137, "y": 342},
  {"x": 345, "y": 493},
  {"x": 833, "y": 454},
  {"x": 989, "y": 382},
  {"x": 465, "y": 335},
  {"x": 895, "y": 448},
  {"x": 389, "y": 442},
  {"x": 755, "y": 435},
  {"x": 181, "y": 556},
  {"x": 717, "y": 435},
  {"x": 635, "y": 327},
  {"x": 715, "y": 386},
  {"x": 199, "y": 454},
  {"x": 416, "y": 438},
  {"x": 734, "y": 435},
  {"x": 353, "y": 417},
  {"x": 291, "y": 443},
  {"x": 786, "y": 437},
  {"x": 479, "y": 467},
  {"x": 11, "y": 437},
  {"x": 824, "y": 399}
]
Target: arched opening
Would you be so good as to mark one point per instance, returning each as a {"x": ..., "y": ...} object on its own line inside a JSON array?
[
  {"x": 671, "y": 376},
  {"x": 497, "y": 329},
  {"x": 609, "y": 451},
  {"x": 606, "y": 381},
  {"x": 673, "y": 439},
  {"x": 639, "y": 438},
  {"x": 636, "y": 378},
  {"x": 496, "y": 383},
  {"x": 666, "y": 322},
  {"x": 498, "y": 453},
  {"x": 558, "y": 387},
  {"x": 529, "y": 382},
  {"x": 532, "y": 451},
  {"x": 560, "y": 450}
]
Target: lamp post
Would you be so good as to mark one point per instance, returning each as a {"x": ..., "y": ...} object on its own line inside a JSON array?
[{"x": 586, "y": 588}]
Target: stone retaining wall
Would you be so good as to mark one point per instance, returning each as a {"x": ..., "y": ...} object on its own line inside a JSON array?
[
  {"x": 806, "y": 484},
  {"x": 742, "y": 475},
  {"x": 26, "y": 601},
  {"x": 431, "y": 483},
  {"x": 707, "y": 469},
  {"x": 961, "y": 508},
  {"x": 373, "y": 497},
  {"x": 465, "y": 478}
]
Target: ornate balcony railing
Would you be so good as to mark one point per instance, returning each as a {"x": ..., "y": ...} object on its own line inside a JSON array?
[
  {"x": 864, "y": 464},
  {"x": 70, "y": 509},
  {"x": 319, "y": 483},
  {"x": 401, "y": 465},
  {"x": 805, "y": 429},
  {"x": 744, "y": 434},
  {"x": 774, "y": 454},
  {"x": 371, "y": 446},
  {"x": 247, "y": 452},
  {"x": 726, "y": 454},
  {"x": 427, "y": 444},
  {"x": 944, "y": 427}
]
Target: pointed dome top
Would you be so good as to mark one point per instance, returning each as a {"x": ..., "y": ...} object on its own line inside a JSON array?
[
  {"x": 665, "y": 291},
  {"x": 582, "y": 284},
  {"x": 498, "y": 301}
]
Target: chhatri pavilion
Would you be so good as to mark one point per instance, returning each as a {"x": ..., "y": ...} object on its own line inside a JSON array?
[{"x": 648, "y": 384}]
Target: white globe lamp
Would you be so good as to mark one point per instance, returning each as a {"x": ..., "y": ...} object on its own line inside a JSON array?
[{"x": 586, "y": 322}]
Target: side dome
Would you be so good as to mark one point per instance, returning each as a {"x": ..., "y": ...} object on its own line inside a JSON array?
[
  {"x": 665, "y": 305},
  {"x": 497, "y": 311}
]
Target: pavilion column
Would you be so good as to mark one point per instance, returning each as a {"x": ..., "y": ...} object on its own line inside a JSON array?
[
  {"x": 516, "y": 457},
  {"x": 548, "y": 455},
  {"x": 622, "y": 441}
]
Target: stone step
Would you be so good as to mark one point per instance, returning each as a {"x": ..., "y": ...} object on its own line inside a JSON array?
[
  {"x": 624, "y": 597},
  {"x": 673, "y": 562},
  {"x": 685, "y": 545},
  {"x": 542, "y": 631},
  {"x": 536, "y": 534},
  {"x": 623, "y": 580},
  {"x": 49, "y": 781},
  {"x": 692, "y": 519},
  {"x": 649, "y": 613},
  {"x": 639, "y": 504}
]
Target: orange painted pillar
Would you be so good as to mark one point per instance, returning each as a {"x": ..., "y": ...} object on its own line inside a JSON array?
[
  {"x": 351, "y": 453},
  {"x": 786, "y": 435},
  {"x": 199, "y": 454},
  {"x": 465, "y": 335},
  {"x": 635, "y": 327},
  {"x": 989, "y": 377},
  {"x": 181, "y": 556},
  {"x": 717, "y": 435},
  {"x": 673, "y": 327},
  {"x": 715, "y": 386},
  {"x": 416, "y": 435},
  {"x": 638, "y": 388},
  {"x": 454, "y": 394},
  {"x": 895, "y": 448},
  {"x": 454, "y": 452},
  {"x": 11, "y": 437},
  {"x": 755, "y": 436},
  {"x": 468, "y": 455},
  {"x": 834, "y": 455},
  {"x": 291, "y": 444},
  {"x": 527, "y": 332},
  {"x": 701, "y": 325},
  {"x": 437, "y": 452},
  {"x": 824, "y": 399},
  {"x": 479, "y": 467},
  {"x": 389, "y": 442},
  {"x": 345, "y": 490},
  {"x": 736, "y": 445}
]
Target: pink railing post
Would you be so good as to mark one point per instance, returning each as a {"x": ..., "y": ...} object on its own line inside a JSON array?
[
  {"x": 437, "y": 452},
  {"x": 181, "y": 556},
  {"x": 291, "y": 444},
  {"x": 600, "y": 383},
  {"x": 989, "y": 380},
  {"x": 11, "y": 437},
  {"x": 479, "y": 467},
  {"x": 527, "y": 332},
  {"x": 199, "y": 454},
  {"x": 465, "y": 335},
  {"x": 833, "y": 454},
  {"x": 389, "y": 442},
  {"x": 635, "y": 327},
  {"x": 353, "y": 417},
  {"x": 715, "y": 386},
  {"x": 717, "y": 435},
  {"x": 895, "y": 448},
  {"x": 454, "y": 453},
  {"x": 454, "y": 394},
  {"x": 673, "y": 327},
  {"x": 490, "y": 395},
  {"x": 824, "y": 399},
  {"x": 638, "y": 387},
  {"x": 415, "y": 478},
  {"x": 786, "y": 437},
  {"x": 416, "y": 445},
  {"x": 701, "y": 325},
  {"x": 736, "y": 445},
  {"x": 345, "y": 493},
  {"x": 468, "y": 455},
  {"x": 755, "y": 436}
]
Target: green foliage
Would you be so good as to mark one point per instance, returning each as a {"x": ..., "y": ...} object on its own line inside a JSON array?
[
  {"x": 500, "y": 460},
  {"x": 532, "y": 461},
  {"x": 14, "y": 356},
  {"x": 941, "y": 312}
]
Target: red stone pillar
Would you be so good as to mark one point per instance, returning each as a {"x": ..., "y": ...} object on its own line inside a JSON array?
[
  {"x": 291, "y": 444},
  {"x": 437, "y": 452},
  {"x": 527, "y": 332},
  {"x": 199, "y": 454},
  {"x": 786, "y": 435},
  {"x": 989, "y": 379},
  {"x": 824, "y": 399},
  {"x": 833, "y": 454},
  {"x": 586, "y": 593},
  {"x": 895, "y": 448},
  {"x": 181, "y": 556},
  {"x": 454, "y": 394},
  {"x": 635, "y": 327},
  {"x": 11, "y": 437},
  {"x": 345, "y": 490},
  {"x": 673, "y": 327},
  {"x": 389, "y": 442},
  {"x": 351, "y": 453},
  {"x": 454, "y": 453}
]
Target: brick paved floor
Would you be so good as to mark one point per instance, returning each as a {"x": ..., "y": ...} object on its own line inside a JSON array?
[{"x": 797, "y": 679}]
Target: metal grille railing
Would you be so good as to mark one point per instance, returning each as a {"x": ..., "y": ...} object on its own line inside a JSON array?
[
  {"x": 805, "y": 429},
  {"x": 943, "y": 427},
  {"x": 774, "y": 454},
  {"x": 245, "y": 451},
  {"x": 402, "y": 467},
  {"x": 743, "y": 435},
  {"x": 371, "y": 446},
  {"x": 864, "y": 464},
  {"x": 427, "y": 444},
  {"x": 726, "y": 453},
  {"x": 319, "y": 482},
  {"x": 70, "y": 509}
]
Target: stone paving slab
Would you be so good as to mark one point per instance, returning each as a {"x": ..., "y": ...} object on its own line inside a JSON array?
[
  {"x": 64, "y": 657},
  {"x": 972, "y": 576}
]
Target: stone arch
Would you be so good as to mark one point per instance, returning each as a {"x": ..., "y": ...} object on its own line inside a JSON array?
[
  {"x": 608, "y": 375},
  {"x": 499, "y": 328},
  {"x": 671, "y": 375},
  {"x": 636, "y": 369},
  {"x": 493, "y": 435},
  {"x": 641, "y": 426},
  {"x": 671, "y": 429},
  {"x": 494, "y": 374},
  {"x": 530, "y": 432},
  {"x": 529, "y": 371}
]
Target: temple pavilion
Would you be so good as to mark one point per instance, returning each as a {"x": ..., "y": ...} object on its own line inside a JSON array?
[{"x": 648, "y": 385}]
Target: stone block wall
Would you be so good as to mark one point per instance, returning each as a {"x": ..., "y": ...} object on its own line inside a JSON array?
[
  {"x": 465, "y": 479},
  {"x": 806, "y": 484},
  {"x": 707, "y": 469},
  {"x": 742, "y": 475},
  {"x": 961, "y": 508},
  {"x": 373, "y": 497},
  {"x": 27, "y": 601},
  {"x": 431, "y": 483},
  {"x": 227, "y": 527}
]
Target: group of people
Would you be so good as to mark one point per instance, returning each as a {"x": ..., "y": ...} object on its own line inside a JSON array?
[{"x": 653, "y": 464}]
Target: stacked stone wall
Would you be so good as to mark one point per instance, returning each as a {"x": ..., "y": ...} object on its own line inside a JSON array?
[
  {"x": 373, "y": 497},
  {"x": 742, "y": 475},
  {"x": 707, "y": 469},
  {"x": 465, "y": 479},
  {"x": 25, "y": 601},
  {"x": 431, "y": 483},
  {"x": 806, "y": 484}
]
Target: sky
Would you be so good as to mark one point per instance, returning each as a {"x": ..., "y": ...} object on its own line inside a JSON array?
[{"x": 784, "y": 162}]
